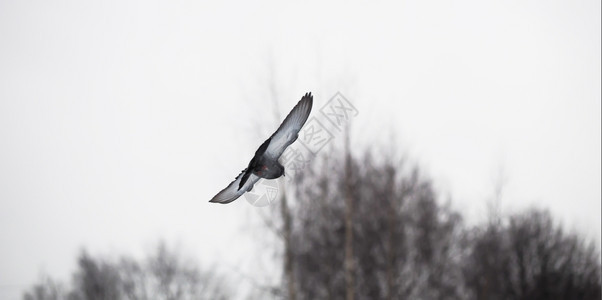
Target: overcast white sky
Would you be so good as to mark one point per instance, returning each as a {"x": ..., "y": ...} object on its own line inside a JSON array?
[{"x": 119, "y": 120}]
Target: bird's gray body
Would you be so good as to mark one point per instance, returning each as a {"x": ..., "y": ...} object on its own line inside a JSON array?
[{"x": 273, "y": 169}]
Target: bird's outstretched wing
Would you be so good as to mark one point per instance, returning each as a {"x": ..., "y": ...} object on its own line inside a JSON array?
[
  {"x": 288, "y": 131},
  {"x": 232, "y": 192}
]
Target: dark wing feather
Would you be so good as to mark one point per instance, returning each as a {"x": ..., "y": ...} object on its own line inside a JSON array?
[
  {"x": 288, "y": 131},
  {"x": 245, "y": 177},
  {"x": 232, "y": 192},
  {"x": 253, "y": 163}
]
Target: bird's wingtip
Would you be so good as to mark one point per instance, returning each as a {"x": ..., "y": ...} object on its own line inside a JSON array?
[
  {"x": 215, "y": 200},
  {"x": 222, "y": 200}
]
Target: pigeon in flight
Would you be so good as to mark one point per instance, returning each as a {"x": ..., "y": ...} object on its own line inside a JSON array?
[{"x": 265, "y": 162}]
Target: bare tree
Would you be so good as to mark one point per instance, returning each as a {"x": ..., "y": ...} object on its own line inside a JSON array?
[
  {"x": 280, "y": 219},
  {"x": 46, "y": 289},
  {"x": 167, "y": 275},
  {"x": 95, "y": 280},
  {"x": 529, "y": 256},
  {"x": 164, "y": 275},
  {"x": 404, "y": 242},
  {"x": 347, "y": 191}
]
